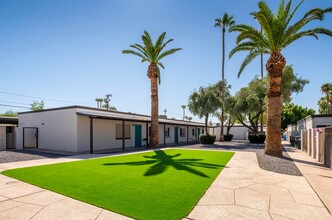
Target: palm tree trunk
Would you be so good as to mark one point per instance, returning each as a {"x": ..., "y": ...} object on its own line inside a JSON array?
[
  {"x": 221, "y": 139},
  {"x": 206, "y": 123},
  {"x": 261, "y": 117},
  {"x": 274, "y": 66},
  {"x": 152, "y": 74}
]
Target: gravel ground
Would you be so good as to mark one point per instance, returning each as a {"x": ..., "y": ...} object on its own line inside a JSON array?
[
  {"x": 284, "y": 165},
  {"x": 9, "y": 156}
]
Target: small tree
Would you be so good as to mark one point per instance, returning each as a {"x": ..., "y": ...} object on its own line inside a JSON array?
[
  {"x": 292, "y": 113},
  {"x": 37, "y": 106},
  {"x": 249, "y": 104},
  {"x": 109, "y": 107},
  {"x": 203, "y": 103},
  {"x": 230, "y": 113},
  {"x": 327, "y": 89},
  {"x": 291, "y": 83},
  {"x": 323, "y": 106},
  {"x": 221, "y": 89},
  {"x": 9, "y": 113}
]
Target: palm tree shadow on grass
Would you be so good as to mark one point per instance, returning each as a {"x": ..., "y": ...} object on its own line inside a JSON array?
[{"x": 161, "y": 161}]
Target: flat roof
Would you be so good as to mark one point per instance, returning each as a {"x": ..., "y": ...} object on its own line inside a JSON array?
[
  {"x": 116, "y": 115},
  {"x": 319, "y": 116},
  {"x": 8, "y": 120},
  {"x": 136, "y": 118}
]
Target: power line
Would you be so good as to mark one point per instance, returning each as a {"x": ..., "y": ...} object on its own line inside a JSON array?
[
  {"x": 21, "y": 103},
  {"x": 6, "y": 102},
  {"x": 34, "y": 97},
  {"x": 14, "y": 106}
]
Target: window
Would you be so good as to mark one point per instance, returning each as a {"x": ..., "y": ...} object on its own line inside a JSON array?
[
  {"x": 193, "y": 132},
  {"x": 182, "y": 132},
  {"x": 202, "y": 131},
  {"x": 166, "y": 132},
  {"x": 119, "y": 131}
]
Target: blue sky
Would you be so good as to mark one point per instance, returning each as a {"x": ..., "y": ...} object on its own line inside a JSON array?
[{"x": 70, "y": 51}]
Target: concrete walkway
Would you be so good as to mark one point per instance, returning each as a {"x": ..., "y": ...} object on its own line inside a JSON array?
[
  {"x": 319, "y": 176},
  {"x": 19, "y": 200},
  {"x": 245, "y": 191},
  {"x": 241, "y": 191}
]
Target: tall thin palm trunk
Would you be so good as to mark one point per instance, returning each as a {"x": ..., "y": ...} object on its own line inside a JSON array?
[
  {"x": 274, "y": 66},
  {"x": 262, "y": 75},
  {"x": 222, "y": 78},
  {"x": 152, "y": 73}
]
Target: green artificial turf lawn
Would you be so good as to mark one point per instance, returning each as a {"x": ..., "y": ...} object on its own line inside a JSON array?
[{"x": 162, "y": 184}]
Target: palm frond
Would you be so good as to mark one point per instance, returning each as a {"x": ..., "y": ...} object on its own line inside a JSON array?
[
  {"x": 308, "y": 33},
  {"x": 168, "y": 52},
  {"x": 161, "y": 65},
  {"x": 134, "y": 53},
  {"x": 141, "y": 50},
  {"x": 158, "y": 50},
  {"x": 265, "y": 17},
  {"x": 252, "y": 55},
  {"x": 148, "y": 45},
  {"x": 289, "y": 18},
  {"x": 160, "y": 40},
  {"x": 217, "y": 22},
  {"x": 244, "y": 46}
]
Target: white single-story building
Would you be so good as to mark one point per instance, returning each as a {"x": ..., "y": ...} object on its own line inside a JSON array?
[
  {"x": 79, "y": 129},
  {"x": 7, "y": 132},
  {"x": 238, "y": 131}
]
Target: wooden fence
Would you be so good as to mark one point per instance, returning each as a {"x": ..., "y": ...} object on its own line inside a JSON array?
[{"x": 317, "y": 143}]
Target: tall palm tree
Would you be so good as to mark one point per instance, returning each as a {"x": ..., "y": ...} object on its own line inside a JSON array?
[
  {"x": 327, "y": 89},
  {"x": 277, "y": 35},
  {"x": 99, "y": 102},
  {"x": 153, "y": 53},
  {"x": 224, "y": 22}
]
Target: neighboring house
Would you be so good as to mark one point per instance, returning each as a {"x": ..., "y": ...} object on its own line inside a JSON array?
[
  {"x": 7, "y": 132},
  {"x": 79, "y": 129},
  {"x": 314, "y": 121},
  {"x": 312, "y": 142}
]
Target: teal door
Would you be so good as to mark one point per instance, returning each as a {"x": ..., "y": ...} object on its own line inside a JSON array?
[
  {"x": 176, "y": 138},
  {"x": 198, "y": 133},
  {"x": 138, "y": 135}
]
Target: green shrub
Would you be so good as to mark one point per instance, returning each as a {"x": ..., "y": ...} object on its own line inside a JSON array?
[
  {"x": 207, "y": 139},
  {"x": 228, "y": 137},
  {"x": 257, "y": 138}
]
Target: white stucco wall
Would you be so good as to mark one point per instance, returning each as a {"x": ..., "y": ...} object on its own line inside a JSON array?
[
  {"x": 57, "y": 129},
  {"x": 239, "y": 132},
  {"x": 68, "y": 130}
]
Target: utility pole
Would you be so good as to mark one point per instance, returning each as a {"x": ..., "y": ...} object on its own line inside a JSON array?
[{"x": 165, "y": 111}]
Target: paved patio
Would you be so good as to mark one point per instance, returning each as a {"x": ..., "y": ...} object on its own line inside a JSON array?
[
  {"x": 245, "y": 191},
  {"x": 241, "y": 191}
]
